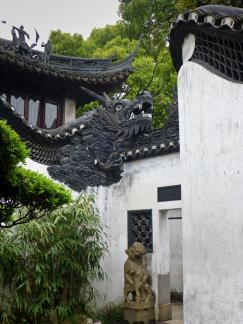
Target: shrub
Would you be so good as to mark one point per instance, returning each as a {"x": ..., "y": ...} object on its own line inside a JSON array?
[
  {"x": 24, "y": 188},
  {"x": 49, "y": 265},
  {"x": 111, "y": 314},
  {"x": 12, "y": 150}
]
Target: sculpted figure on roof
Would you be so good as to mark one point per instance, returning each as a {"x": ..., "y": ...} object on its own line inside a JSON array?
[
  {"x": 22, "y": 34},
  {"x": 19, "y": 41},
  {"x": 47, "y": 50}
]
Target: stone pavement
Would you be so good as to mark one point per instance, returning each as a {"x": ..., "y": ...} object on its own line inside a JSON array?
[{"x": 177, "y": 315}]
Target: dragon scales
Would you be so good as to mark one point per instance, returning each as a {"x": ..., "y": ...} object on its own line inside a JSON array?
[{"x": 87, "y": 151}]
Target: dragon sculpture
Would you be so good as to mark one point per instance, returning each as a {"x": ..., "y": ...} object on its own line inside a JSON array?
[{"x": 87, "y": 151}]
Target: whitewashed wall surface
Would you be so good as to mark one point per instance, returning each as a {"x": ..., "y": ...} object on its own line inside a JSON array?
[
  {"x": 138, "y": 190},
  {"x": 211, "y": 137}
]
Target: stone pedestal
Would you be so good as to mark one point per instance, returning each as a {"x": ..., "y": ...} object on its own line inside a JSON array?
[
  {"x": 165, "y": 312},
  {"x": 139, "y": 312}
]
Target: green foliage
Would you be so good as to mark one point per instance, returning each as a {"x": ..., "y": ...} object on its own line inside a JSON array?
[
  {"x": 119, "y": 47},
  {"x": 21, "y": 187},
  {"x": 34, "y": 190},
  {"x": 12, "y": 150},
  {"x": 67, "y": 44},
  {"x": 47, "y": 266},
  {"x": 99, "y": 37},
  {"x": 82, "y": 110},
  {"x": 151, "y": 18},
  {"x": 111, "y": 314},
  {"x": 74, "y": 45},
  {"x": 192, "y": 4}
]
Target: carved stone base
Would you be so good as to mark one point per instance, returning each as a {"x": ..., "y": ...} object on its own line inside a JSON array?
[{"x": 139, "y": 312}]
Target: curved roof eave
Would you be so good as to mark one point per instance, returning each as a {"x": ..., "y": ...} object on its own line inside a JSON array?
[
  {"x": 218, "y": 32},
  {"x": 70, "y": 68}
]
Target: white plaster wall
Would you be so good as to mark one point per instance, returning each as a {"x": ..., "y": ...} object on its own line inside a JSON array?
[
  {"x": 176, "y": 252},
  {"x": 169, "y": 257},
  {"x": 32, "y": 165},
  {"x": 188, "y": 47},
  {"x": 211, "y": 137},
  {"x": 137, "y": 190},
  {"x": 69, "y": 110}
]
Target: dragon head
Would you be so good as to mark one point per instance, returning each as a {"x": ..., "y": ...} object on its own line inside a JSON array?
[
  {"x": 134, "y": 116},
  {"x": 131, "y": 117}
]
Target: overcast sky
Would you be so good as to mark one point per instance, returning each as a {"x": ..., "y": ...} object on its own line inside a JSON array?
[{"x": 73, "y": 16}]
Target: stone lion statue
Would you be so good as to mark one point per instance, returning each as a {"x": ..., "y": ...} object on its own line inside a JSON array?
[{"x": 136, "y": 288}]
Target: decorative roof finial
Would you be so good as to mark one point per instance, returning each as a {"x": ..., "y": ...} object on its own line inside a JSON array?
[
  {"x": 19, "y": 42},
  {"x": 47, "y": 50}
]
